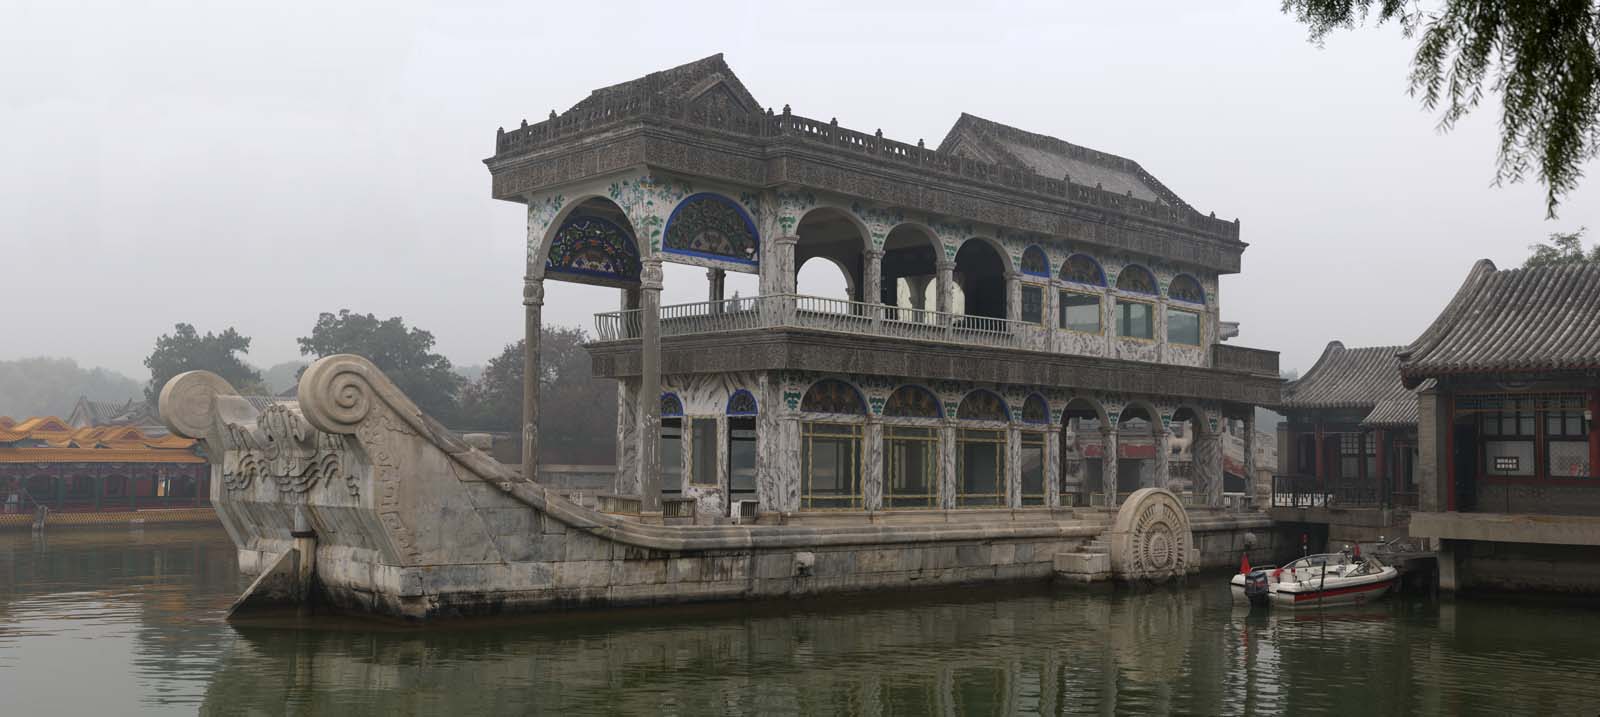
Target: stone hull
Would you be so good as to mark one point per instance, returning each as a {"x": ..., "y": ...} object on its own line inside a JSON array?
[{"x": 409, "y": 521}]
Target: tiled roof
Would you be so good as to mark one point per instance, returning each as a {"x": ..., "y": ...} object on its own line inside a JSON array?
[
  {"x": 49, "y": 432},
  {"x": 684, "y": 82},
  {"x": 1540, "y": 319},
  {"x": 1349, "y": 378},
  {"x": 990, "y": 141}
]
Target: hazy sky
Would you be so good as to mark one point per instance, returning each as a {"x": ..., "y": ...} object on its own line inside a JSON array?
[{"x": 253, "y": 165}]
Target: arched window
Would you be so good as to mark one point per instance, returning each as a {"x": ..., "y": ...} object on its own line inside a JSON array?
[
  {"x": 912, "y": 402},
  {"x": 981, "y": 453},
  {"x": 1136, "y": 279},
  {"x": 596, "y": 249},
  {"x": 1036, "y": 414},
  {"x": 712, "y": 225},
  {"x": 742, "y": 403},
  {"x": 1081, "y": 269},
  {"x": 981, "y": 405},
  {"x": 1034, "y": 262},
  {"x": 1187, "y": 289},
  {"x": 1082, "y": 470},
  {"x": 830, "y": 446},
  {"x": 911, "y": 449},
  {"x": 670, "y": 444},
  {"x": 833, "y": 396}
]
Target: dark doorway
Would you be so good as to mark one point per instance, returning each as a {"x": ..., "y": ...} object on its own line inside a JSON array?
[{"x": 1465, "y": 465}]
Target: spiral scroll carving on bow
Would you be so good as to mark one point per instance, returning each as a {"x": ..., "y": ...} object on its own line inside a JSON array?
[
  {"x": 338, "y": 392},
  {"x": 187, "y": 403}
]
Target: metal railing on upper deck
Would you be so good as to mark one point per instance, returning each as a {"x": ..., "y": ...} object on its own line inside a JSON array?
[{"x": 817, "y": 312}]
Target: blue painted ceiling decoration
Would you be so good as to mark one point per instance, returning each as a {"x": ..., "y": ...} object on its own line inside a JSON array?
[
  {"x": 713, "y": 226},
  {"x": 593, "y": 247}
]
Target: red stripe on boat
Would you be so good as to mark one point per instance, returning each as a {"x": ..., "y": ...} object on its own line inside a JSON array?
[{"x": 1343, "y": 591}]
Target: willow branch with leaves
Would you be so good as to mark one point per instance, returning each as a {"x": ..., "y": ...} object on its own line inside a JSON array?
[{"x": 1542, "y": 57}]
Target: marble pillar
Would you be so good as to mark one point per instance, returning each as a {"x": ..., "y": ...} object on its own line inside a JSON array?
[
  {"x": 1013, "y": 296},
  {"x": 947, "y": 465},
  {"x": 627, "y": 480},
  {"x": 716, "y": 283},
  {"x": 532, "y": 308},
  {"x": 1259, "y": 490},
  {"x": 1208, "y": 468},
  {"x": 946, "y": 290},
  {"x": 1161, "y": 466},
  {"x": 650, "y": 386},
  {"x": 1108, "y": 465},
  {"x": 872, "y": 277},
  {"x": 1052, "y": 468},
  {"x": 1014, "y": 465},
  {"x": 872, "y": 465},
  {"x": 778, "y": 269}
]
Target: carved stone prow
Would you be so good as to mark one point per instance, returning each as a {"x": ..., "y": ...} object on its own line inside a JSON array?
[{"x": 188, "y": 405}]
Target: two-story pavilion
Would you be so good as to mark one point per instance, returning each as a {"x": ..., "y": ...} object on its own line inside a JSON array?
[
  {"x": 1001, "y": 285},
  {"x": 1508, "y": 380}
]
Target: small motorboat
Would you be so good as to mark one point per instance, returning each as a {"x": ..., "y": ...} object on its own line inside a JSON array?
[{"x": 1326, "y": 579}]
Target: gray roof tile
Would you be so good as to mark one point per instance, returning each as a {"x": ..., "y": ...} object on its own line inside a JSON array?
[
  {"x": 1539, "y": 319},
  {"x": 1350, "y": 378}
]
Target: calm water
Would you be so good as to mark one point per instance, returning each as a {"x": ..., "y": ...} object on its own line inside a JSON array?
[{"x": 110, "y": 623}]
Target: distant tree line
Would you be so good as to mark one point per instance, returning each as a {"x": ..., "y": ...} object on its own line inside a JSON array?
[{"x": 577, "y": 411}]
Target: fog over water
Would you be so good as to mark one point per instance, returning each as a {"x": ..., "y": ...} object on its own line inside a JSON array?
[{"x": 253, "y": 165}]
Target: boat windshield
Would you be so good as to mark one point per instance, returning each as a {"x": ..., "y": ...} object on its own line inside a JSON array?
[{"x": 1318, "y": 561}]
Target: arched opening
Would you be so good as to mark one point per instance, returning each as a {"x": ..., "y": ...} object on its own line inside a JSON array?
[
  {"x": 670, "y": 448},
  {"x": 982, "y": 421},
  {"x": 1188, "y": 426},
  {"x": 910, "y": 273},
  {"x": 980, "y": 280},
  {"x": 1079, "y": 300},
  {"x": 1188, "y": 300},
  {"x": 594, "y": 244},
  {"x": 712, "y": 226},
  {"x": 742, "y": 411},
  {"x": 1136, "y": 448},
  {"x": 830, "y": 446},
  {"x": 1082, "y": 450},
  {"x": 826, "y": 278},
  {"x": 1136, "y": 305},
  {"x": 1035, "y": 423},
  {"x": 911, "y": 448},
  {"x": 831, "y": 234}
]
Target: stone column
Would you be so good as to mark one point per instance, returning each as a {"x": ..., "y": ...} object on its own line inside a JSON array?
[
  {"x": 650, "y": 386},
  {"x": 947, "y": 465},
  {"x": 946, "y": 291},
  {"x": 1052, "y": 314},
  {"x": 1252, "y": 483},
  {"x": 778, "y": 269},
  {"x": 872, "y": 277},
  {"x": 1014, "y": 465},
  {"x": 1161, "y": 466},
  {"x": 872, "y": 473},
  {"x": 1208, "y": 467},
  {"x": 1013, "y": 296},
  {"x": 1108, "y": 465},
  {"x": 532, "y": 328},
  {"x": 1052, "y": 468},
  {"x": 716, "y": 281}
]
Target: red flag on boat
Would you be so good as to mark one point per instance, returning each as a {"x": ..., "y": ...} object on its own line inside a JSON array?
[{"x": 1244, "y": 564}]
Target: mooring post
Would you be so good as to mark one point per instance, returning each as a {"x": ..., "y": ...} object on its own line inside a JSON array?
[{"x": 305, "y": 564}]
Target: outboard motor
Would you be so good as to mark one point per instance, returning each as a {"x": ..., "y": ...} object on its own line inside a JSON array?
[{"x": 1255, "y": 588}]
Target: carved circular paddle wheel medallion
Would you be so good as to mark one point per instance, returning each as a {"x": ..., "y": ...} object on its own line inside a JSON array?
[{"x": 1151, "y": 539}]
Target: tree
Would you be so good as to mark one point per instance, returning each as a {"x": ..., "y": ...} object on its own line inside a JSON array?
[
  {"x": 186, "y": 350},
  {"x": 577, "y": 412},
  {"x": 1563, "y": 248},
  {"x": 283, "y": 376},
  {"x": 404, "y": 354},
  {"x": 42, "y": 386},
  {"x": 1543, "y": 57}
]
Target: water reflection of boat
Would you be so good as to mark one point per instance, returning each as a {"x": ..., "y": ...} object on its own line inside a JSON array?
[{"x": 1316, "y": 581}]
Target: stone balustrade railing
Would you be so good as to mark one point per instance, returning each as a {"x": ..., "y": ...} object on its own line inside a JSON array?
[
  {"x": 816, "y": 312},
  {"x": 788, "y": 127}
]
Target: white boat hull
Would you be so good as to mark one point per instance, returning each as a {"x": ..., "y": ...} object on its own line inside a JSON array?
[{"x": 1308, "y": 587}]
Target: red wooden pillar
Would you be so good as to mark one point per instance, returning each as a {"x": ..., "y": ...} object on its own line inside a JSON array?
[
  {"x": 1382, "y": 461},
  {"x": 1449, "y": 452},
  {"x": 1594, "y": 435},
  {"x": 1322, "y": 463}
]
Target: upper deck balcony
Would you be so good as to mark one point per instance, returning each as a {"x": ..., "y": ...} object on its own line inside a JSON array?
[{"x": 799, "y": 311}]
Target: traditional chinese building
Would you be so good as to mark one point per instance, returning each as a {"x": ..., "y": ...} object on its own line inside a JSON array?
[
  {"x": 1348, "y": 444},
  {"x": 1000, "y": 286},
  {"x": 113, "y": 472},
  {"x": 1509, "y": 386}
]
